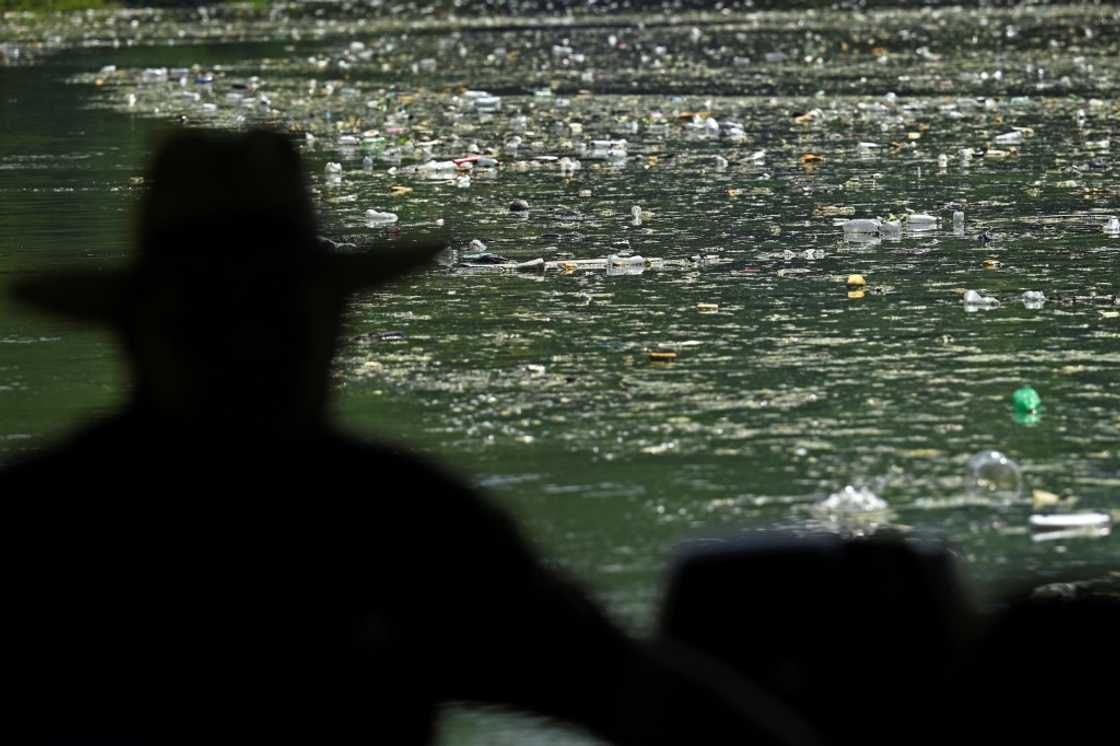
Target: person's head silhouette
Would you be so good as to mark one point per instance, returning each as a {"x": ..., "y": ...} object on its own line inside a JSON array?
[{"x": 230, "y": 311}]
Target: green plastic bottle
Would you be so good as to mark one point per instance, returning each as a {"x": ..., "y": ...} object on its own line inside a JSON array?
[{"x": 1026, "y": 399}]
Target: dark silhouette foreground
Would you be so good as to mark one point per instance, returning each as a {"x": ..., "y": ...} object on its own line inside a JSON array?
[
  {"x": 217, "y": 565},
  {"x": 878, "y": 640}
]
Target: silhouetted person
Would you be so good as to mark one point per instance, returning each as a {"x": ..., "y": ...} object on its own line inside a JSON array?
[{"x": 216, "y": 564}]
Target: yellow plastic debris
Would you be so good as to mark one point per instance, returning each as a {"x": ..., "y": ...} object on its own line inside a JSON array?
[
  {"x": 707, "y": 307},
  {"x": 662, "y": 356},
  {"x": 991, "y": 263},
  {"x": 1042, "y": 498},
  {"x": 855, "y": 294},
  {"x": 811, "y": 158},
  {"x": 856, "y": 281}
]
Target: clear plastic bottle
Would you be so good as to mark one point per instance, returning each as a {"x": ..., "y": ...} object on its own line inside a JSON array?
[
  {"x": 921, "y": 222},
  {"x": 861, "y": 225}
]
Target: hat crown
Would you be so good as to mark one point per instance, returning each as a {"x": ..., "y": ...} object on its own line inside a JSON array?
[{"x": 214, "y": 194}]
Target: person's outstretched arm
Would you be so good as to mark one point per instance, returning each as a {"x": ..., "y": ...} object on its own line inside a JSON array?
[{"x": 476, "y": 616}]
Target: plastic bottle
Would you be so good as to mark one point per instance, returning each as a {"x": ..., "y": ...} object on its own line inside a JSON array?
[
  {"x": 1026, "y": 399},
  {"x": 1009, "y": 138},
  {"x": 437, "y": 170},
  {"x": 861, "y": 226},
  {"x": 375, "y": 217},
  {"x": 920, "y": 222}
]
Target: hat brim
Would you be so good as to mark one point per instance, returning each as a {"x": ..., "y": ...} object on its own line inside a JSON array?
[{"x": 105, "y": 296}]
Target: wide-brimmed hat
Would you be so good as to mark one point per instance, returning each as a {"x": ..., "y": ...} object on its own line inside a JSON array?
[{"x": 222, "y": 210}]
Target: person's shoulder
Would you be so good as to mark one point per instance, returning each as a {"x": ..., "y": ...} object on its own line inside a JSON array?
[
  {"x": 409, "y": 482},
  {"x": 378, "y": 458},
  {"x": 68, "y": 459}
]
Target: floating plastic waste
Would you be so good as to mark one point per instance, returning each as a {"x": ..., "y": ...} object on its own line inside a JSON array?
[
  {"x": 1033, "y": 299},
  {"x": 852, "y": 500},
  {"x": 1112, "y": 226},
  {"x": 920, "y": 222},
  {"x": 974, "y": 300},
  {"x": 633, "y": 260},
  {"x": 375, "y": 217},
  {"x": 1060, "y": 526},
  {"x": 1026, "y": 399},
  {"x": 607, "y": 150},
  {"x": 437, "y": 170},
  {"x": 993, "y": 475},
  {"x": 864, "y": 226},
  {"x": 1010, "y": 138}
]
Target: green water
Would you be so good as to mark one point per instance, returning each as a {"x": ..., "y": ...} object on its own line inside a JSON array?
[{"x": 539, "y": 387}]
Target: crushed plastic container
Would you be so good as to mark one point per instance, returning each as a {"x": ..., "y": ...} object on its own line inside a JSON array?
[
  {"x": 1009, "y": 138},
  {"x": 1033, "y": 299}
]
